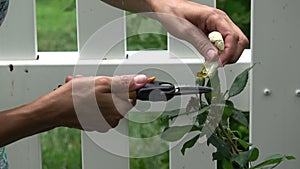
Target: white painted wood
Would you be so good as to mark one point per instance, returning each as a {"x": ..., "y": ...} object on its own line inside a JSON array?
[
  {"x": 106, "y": 150},
  {"x": 25, "y": 154},
  {"x": 18, "y": 31},
  {"x": 201, "y": 154},
  {"x": 275, "y": 46},
  {"x": 25, "y": 83},
  {"x": 105, "y": 25},
  {"x": 101, "y": 35}
]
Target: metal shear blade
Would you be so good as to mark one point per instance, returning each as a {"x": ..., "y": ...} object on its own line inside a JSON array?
[
  {"x": 164, "y": 91},
  {"x": 186, "y": 90}
]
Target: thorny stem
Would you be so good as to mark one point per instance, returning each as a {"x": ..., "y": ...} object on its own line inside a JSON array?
[{"x": 229, "y": 139}]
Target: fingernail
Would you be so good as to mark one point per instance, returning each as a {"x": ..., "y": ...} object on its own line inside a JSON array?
[
  {"x": 211, "y": 55},
  {"x": 68, "y": 78},
  {"x": 140, "y": 79}
]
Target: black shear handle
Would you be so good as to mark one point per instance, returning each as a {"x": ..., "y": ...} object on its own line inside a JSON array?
[{"x": 156, "y": 91}]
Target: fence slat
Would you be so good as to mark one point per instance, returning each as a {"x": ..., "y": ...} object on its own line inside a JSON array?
[
  {"x": 18, "y": 32},
  {"x": 201, "y": 153},
  {"x": 275, "y": 46},
  {"x": 25, "y": 154},
  {"x": 107, "y": 27}
]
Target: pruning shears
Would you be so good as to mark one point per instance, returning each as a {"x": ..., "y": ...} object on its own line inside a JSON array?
[{"x": 164, "y": 91}]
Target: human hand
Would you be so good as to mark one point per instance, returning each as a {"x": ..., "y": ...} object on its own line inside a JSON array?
[
  {"x": 94, "y": 103},
  {"x": 192, "y": 22}
]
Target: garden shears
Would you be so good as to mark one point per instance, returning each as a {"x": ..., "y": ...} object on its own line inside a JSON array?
[{"x": 164, "y": 91}]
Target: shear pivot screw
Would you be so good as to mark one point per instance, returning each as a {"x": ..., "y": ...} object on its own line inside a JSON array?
[{"x": 267, "y": 92}]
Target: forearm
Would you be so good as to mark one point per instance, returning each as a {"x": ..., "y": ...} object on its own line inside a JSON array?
[
  {"x": 24, "y": 121},
  {"x": 135, "y": 6}
]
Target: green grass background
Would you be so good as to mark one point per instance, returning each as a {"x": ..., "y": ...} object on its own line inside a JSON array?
[
  {"x": 56, "y": 30},
  {"x": 56, "y": 25}
]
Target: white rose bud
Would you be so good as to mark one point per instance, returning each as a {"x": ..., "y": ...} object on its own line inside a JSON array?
[
  {"x": 210, "y": 67},
  {"x": 217, "y": 39}
]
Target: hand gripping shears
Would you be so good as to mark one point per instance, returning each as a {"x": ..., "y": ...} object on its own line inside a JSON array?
[{"x": 164, "y": 91}]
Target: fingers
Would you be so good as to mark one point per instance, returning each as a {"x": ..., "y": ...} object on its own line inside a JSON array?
[
  {"x": 68, "y": 78},
  {"x": 127, "y": 83},
  {"x": 190, "y": 33},
  {"x": 235, "y": 43},
  {"x": 113, "y": 108},
  {"x": 234, "y": 39}
]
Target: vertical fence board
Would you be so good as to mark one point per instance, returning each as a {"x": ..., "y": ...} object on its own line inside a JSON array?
[
  {"x": 105, "y": 25},
  {"x": 18, "y": 32},
  {"x": 101, "y": 35},
  {"x": 275, "y": 47},
  {"x": 95, "y": 156},
  {"x": 25, "y": 154},
  {"x": 201, "y": 154}
]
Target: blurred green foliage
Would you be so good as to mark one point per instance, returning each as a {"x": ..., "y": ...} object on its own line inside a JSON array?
[
  {"x": 56, "y": 25},
  {"x": 147, "y": 41},
  {"x": 61, "y": 149},
  {"x": 240, "y": 13}
]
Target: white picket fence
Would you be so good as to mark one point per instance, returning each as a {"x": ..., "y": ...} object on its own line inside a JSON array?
[{"x": 274, "y": 45}]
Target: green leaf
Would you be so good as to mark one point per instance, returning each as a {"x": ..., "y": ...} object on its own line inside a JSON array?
[
  {"x": 227, "y": 109},
  {"x": 239, "y": 82},
  {"x": 244, "y": 144},
  {"x": 200, "y": 81},
  {"x": 208, "y": 95},
  {"x": 226, "y": 164},
  {"x": 202, "y": 115},
  {"x": 273, "y": 160},
  {"x": 229, "y": 103},
  {"x": 223, "y": 148},
  {"x": 189, "y": 144},
  {"x": 243, "y": 158},
  {"x": 218, "y": 156},
  {"x": 201, "y": 118},
  {"x": 172, "y": 113},
  {"x": 176, "y": 132},
  {"x": 240, "y": 117}
]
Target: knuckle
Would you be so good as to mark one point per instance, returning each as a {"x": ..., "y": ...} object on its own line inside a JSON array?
[
  {"x": 244, "y": 41},
  {"x": 213, "y": 16},
  {"x": 221, "y": 13},
  {"x": 103, "y": 81},
  {"x": 216, "y": 14}
]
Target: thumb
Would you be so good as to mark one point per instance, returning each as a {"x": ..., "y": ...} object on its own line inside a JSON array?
[{"x": 201, "y": 42}]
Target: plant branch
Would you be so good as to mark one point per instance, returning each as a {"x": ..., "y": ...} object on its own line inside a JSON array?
[{"x": 229, "y": 139}]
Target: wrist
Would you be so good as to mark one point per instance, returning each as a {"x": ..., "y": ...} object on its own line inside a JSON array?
[
  {"x": 43, "y": 114},
  {"x": 153, "y": 5},
  {"x": 22, "y": 122}
]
